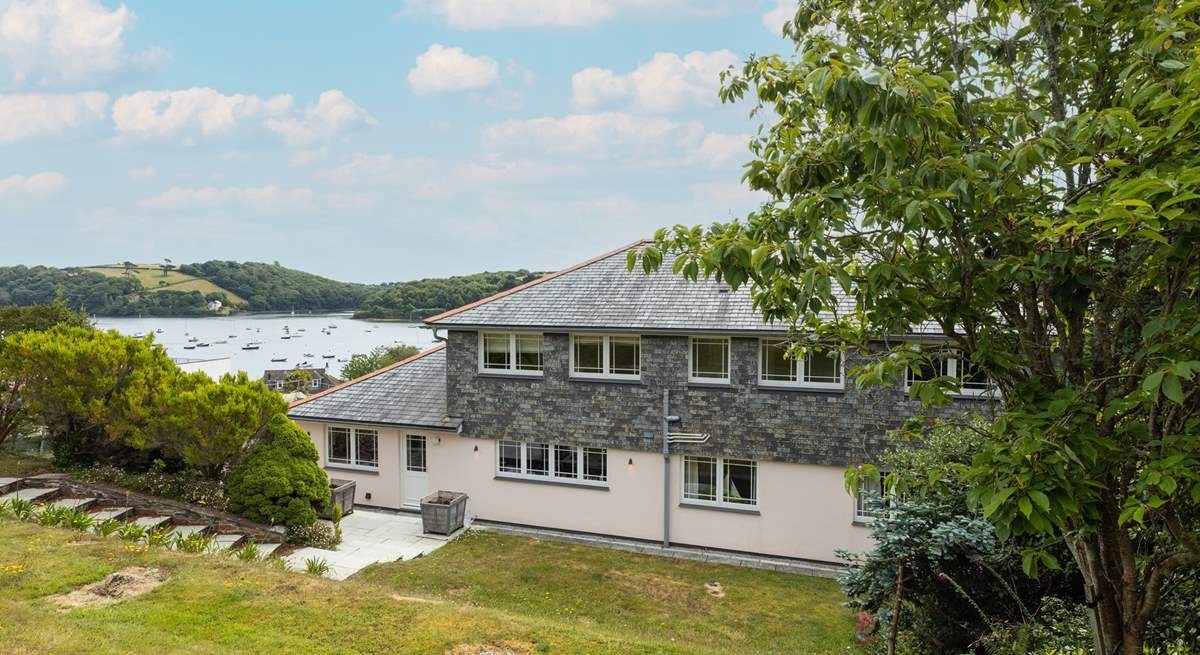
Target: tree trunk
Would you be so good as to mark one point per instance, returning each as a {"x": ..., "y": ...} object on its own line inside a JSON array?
[{"x": 894, "y": 628}]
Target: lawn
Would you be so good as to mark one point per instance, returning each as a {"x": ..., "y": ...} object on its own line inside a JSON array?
[
  {"x": 486, "y": 592},
  {"x": 16, "y": 465}
]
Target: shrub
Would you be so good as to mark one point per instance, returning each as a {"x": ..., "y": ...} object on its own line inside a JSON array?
[
  {"x": 315, "y": 535},
  {"x": 197, "y": 542},
  {"x": 279, "y": 481},
  {"x": 316, "y": 566},
  {"x": 107, "y": 527},
  {"x": 77, "y": 520},
  {"x": 247, "y": 552},
  {"x": 187, "y": 485}
]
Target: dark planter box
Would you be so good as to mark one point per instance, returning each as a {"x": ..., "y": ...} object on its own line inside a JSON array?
[
  {"x": 342, "y": 494},
  {"x": 442, "y": 512}
]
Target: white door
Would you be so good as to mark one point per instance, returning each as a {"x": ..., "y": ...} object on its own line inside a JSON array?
[{"x": 414, "y": 478}]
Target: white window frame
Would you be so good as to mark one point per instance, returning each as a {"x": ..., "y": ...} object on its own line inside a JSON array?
[
  {"x": 512, "y": 354},
  {"x": 950, "y": 368},
  {"x": 552, "y": 474},
  {"x": 692, "y": 378},
  {"x": 606, "y": 357},
  {"x": 860, "y": 513},
  {"x": 798, "y": 370},
  {"x": 408, "y": 463},
  {"x": 721, "y": 500},
  {"x": 353, "y": 463}
]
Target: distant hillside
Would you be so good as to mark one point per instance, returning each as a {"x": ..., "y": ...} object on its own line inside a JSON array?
[
  {"x": 271, "y": 287},
  {"x": 148, "y": 289},
  {"x": 422, "y": 298}
]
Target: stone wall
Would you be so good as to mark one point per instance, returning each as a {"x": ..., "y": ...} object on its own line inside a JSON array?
[{"x": 837, "y": 428}]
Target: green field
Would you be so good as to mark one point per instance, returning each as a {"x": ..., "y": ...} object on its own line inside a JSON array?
[{"x": 153, "y": 279}]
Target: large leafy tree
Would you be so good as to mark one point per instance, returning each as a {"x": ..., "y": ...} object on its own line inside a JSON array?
[
  {"x": 14, "y": 409},
  {"x": 1024, "y": 177}
]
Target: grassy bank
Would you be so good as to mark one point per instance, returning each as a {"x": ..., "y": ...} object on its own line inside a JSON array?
[{"x": 507, "y": 594}]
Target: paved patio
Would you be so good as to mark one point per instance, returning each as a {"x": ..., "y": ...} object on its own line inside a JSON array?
[{"x": 369, "y": 537}]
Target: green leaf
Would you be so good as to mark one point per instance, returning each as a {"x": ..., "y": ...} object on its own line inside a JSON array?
[
  {"x": 1025, "y": 506},
  {"x": 1153, "y": 381},
  {"x": 1172, "y": 389}
]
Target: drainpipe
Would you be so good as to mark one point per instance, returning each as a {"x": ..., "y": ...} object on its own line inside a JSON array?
[{"x": 666, "y": 437}]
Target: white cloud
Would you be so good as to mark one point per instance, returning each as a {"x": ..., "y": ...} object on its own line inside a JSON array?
[
  {"x": 145, "y": 173},
  {"x": 414, "y": 176},
  {"x": 442, "y": 70},
  {"x": 333, "y": 115},
  {"x": 501, "y": 14},
  {"x": 666, "y": 83},
  {"x": 602, "y": 136},
  {"x": 496, "y": 168},
  {"x": 264, "y": 199},
  {"x": 783, "y": 12},
  {"x": 162, "y": 114},
  {"x": 52, "y": 41},
  {"x": 35, "y": 115},
  {"x": 38, "y": 185},
  {"x": 717, "y": 149}
]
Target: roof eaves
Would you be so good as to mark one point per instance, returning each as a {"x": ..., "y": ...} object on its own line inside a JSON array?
[
  {"x": 545, "y": 278},
  {"x": 368, "y": 376},
  {"x": 447, "y": 424}
]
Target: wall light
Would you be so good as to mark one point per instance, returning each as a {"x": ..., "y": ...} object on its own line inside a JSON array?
[
  {"x": 477, "y": 448},
  {"x": 631, "y": 461}
]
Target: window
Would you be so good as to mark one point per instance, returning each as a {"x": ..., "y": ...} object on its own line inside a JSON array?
[
  {"x": 971, "y": 380},
  {"x": 606, "y": 356},
  {"x": 542, "y": 460},
  {"x": 316, "y": 384},
  {"x": 414, "y": 445},
  {"x": 867, "y": 501},
  {"x": 822, "y": 370},
  {"x": 510, "y": 352},
  {"x": 720, "y": 481},
  {"x": 352, "y": 447},
  {"x": 709, "y": 359}
]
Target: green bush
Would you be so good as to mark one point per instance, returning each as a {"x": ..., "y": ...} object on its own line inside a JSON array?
[
  {"x": 187, "y": 485},
  {"x": 279, "y": 481}
]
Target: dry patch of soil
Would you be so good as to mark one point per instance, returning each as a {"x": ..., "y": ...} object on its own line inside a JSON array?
[
  {"x": 417, "y": 599},
  {"x": 714, "y": 589},
  {"x": 124, "y": 584},
  {"x": 506, "y": 647}
]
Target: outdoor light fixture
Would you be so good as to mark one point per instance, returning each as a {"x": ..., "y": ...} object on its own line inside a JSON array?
[
  {"x": 476, "y": 447},
  {"x": 631, "y": 461}
]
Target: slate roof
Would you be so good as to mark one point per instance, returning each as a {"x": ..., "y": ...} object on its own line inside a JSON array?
[
  {"x": 602, "y": 294},
  {"x": 409, "y": 393}
]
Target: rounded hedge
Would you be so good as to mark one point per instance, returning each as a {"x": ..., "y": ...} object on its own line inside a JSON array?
[{"x": 279, "y": 481}]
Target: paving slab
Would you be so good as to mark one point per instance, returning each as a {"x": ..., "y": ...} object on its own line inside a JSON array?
[
  {"x": 78, "y": 504},
  {"x": 224, "y": 541},
  {"x": 267, "y": 550},
  {"x": 117, "y": 513},
  {"x": 370, "y": 537},
  {"x": 4, "y": 482},
  {"x": 32, "y": 494},
  {"x": 151, "y": 522},
  {"x": 188, "y": 530}
]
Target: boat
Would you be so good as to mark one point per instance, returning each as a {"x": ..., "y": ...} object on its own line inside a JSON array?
[
  {"x": 328, "y": 356},
  {"x": 279, "y": 359},
  {"x": 202, "y": 345},
  {"x": 189, "y": 347},
  {"x": 139, "y": 335},
  {"x": 251, "y": 346},
  {"x": 221, "y": 341},
  {"x": 331, "y": 327},
  {"x": 158, "y": 331},
  {"x": 309, "y": 355},
  {"x": 301, "y": 330},
  {"x": 233, "y": 336},
  {"x": 193, "y": 339},
  {"x": 285, "y": 337}
]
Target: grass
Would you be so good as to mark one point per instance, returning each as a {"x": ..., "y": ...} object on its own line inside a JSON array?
[
  {"x": 17, "y": 465},
  {"x": 152, "y": 278},
  {"x": 484, "y": 592}
]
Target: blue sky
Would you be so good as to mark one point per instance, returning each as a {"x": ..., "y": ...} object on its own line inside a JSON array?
[{"x": 368, "y": 141}]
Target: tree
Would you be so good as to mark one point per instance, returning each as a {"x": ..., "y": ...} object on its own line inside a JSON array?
[
  {"x": 14, "y": 411},
  {"x": 1024, "y": 177},
  {"x": 362, "y": 364},
  {"x": 208, "y": 424},
  {"x": 279, "y": 480},
  {"x": 92, "y": 390}
]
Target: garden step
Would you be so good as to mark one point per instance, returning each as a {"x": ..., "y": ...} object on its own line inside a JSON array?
[
  {"x": 77, "y": 504},
  {"x": 267, "y": 550},
  {"x": 188, "y": 530},
  {"x": 33, "y": 494},
  {"x": 116, "y": 513},
  {"x": 151, "y": 522},
  {"x": 224, "y": 541},
  {"x": 5, "y": 483}
]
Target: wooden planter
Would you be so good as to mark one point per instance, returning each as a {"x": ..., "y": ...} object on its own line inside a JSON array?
[
  {"x": 442, "y": 512},
  {"x": 341, "y": 493}
]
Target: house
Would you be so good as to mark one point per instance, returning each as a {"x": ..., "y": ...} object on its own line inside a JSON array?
[
  {"x": 305, "y": 380},
  {"x": 548, "y": 405},
  {"x": 215, "y": 305}
]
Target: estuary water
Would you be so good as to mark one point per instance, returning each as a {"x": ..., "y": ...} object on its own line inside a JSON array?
[{"x": 320, "y": 340}]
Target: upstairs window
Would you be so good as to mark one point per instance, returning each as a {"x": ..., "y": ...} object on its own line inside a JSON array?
[
  {"x": 606, "y": 356},
  {"x": 820, "y": 370},
  {"x": 510, "y": 352},
  {"x": 709, "y": 359},
  {"x": 971, "y": 380}
]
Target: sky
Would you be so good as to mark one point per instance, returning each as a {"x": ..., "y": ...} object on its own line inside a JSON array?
[{"x": 369, "y": 141}]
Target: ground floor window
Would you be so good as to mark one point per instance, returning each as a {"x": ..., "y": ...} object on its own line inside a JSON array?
[
  {"x": 555, "y": 461},
  {"x": 720, "y": 481},
  {"x": 867, "y": 502},
  {"x": 352, "y": 447}
]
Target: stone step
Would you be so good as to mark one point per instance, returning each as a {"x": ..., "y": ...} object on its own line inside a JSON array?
[
  {"x": 77, "y": 504},
  {"x": 226, "y": 541},
  {"x": 188, "y": 530},
  {"x": 33, "y": 494},
  {"x": 267, "y": 550},
  {"x": 151, "y": 522},
  {"x": 116, "y": 513},
  {"x": 5, "y": 483}
]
